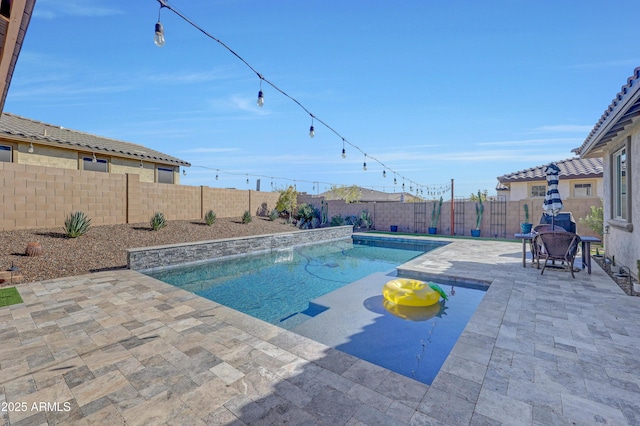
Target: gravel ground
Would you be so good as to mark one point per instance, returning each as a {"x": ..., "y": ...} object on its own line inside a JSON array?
[{"x": 103, "y": 247}]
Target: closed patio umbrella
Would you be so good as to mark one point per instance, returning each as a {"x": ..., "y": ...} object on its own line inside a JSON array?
[{"x": 552, "y": 201}]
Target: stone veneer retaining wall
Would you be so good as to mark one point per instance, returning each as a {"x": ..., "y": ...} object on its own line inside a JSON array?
[{"x": 147, "y": 258}]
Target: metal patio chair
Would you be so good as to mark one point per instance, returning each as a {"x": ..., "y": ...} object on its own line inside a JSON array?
[
  {"x": 536, "y": 230},
  {"x": 556, "y": 245}
]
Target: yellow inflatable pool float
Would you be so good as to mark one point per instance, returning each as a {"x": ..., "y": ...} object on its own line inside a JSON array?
[{"x": 409, "y": 292}]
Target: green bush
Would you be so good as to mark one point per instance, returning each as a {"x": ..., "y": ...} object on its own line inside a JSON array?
[
  {"x": 308, "y": 216},
  {"x": 76, "y": 224},
  {"x": 158, "y": 221},
  {"x": 273, "y": 215},
  {"x": 210, "y": 217},
  {"x": 337, "y": 220},
  {"x": 246, "y": 217},
  {"x": 594, "y": 220}
]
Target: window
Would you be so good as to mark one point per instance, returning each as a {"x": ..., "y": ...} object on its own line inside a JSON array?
[
  {"x": 165, "y": 175},
  {"x": 5, "y": 153},
  {"x": 582, "y": 190},
  {"x": 620, "y": 205},
  {"x": 538, "y": 191},
  {"x": 94, "y": 164}
]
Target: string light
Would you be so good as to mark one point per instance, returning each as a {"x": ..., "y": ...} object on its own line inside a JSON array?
[
  {"x": 384, "y": 173},
  {"x": 260, "y": 101},
  {"x": 364, "y": 165},
  {"x": 260, "y": 96},
  {"x": 312, "y": 131},
  {"x": 158, "y": 38}
]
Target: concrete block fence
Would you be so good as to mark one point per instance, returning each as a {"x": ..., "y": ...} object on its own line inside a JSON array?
[
  {"x": 403, "y": 215},
  {"x": 35, "y": 196}
]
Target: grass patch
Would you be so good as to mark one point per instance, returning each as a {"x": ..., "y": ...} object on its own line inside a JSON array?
[{"x": 9, "y": 296}]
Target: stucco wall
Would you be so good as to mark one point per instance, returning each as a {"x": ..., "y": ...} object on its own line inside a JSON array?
[
  {"x": 51, "y": 156},
  {"x": 622, "y": 243}
]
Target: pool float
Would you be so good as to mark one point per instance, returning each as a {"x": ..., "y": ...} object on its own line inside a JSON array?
[
  {"x": 415, "y": 313},
  {"x": 409, "y": 292}
]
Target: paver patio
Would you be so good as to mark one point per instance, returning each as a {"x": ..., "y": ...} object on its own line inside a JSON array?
[{"x": 118, "y": 347}]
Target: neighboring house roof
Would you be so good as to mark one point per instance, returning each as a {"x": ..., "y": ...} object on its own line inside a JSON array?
[
  {"x": 623, "y": 111},
  {"x": 16, "y": 126},
  {"x": 14, "y": 22},
  {"x": 574, "y": 168},
  {"x": 370, "y": 195}
]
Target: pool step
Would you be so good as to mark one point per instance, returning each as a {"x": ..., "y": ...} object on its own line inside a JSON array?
[{"x": 293, "y": 320}]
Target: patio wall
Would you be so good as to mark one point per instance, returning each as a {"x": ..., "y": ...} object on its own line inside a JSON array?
[
  {"x": 403, "y": 215},
  {"x": 36, "y": 196}
]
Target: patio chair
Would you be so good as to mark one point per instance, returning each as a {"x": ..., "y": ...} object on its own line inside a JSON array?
[
  {"x": 554, "y": 245},
  {"x": 536, "y": 230}
]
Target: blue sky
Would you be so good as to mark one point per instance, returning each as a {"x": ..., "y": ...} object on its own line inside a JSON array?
[{"x": 435, "y": 90}]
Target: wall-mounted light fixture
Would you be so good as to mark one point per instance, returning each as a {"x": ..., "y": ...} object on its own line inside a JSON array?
[{"x": 30, "y": 150}]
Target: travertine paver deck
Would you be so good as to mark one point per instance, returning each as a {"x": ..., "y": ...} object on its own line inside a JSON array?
[{"x": 118, "y": 347}]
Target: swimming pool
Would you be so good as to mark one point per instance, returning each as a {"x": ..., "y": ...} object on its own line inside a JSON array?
[
  {"x": 277, "y": 286},
  {"x": 331, "y": 292}
]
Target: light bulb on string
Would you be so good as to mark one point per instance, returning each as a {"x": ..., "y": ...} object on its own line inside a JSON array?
[
  {"x": 260, "y": 96},
  {"x": 395, "y": 181},
  {"x": 158, "y": 37},
  {"x": 344, "y": 153},
  {"x": 312, "y": 131},
  {"x": 364, "y": 165},
  {"x": 384, "y": 173},
  {"x": 217, "y": 171},
  {"x": 247, "y": 179}
]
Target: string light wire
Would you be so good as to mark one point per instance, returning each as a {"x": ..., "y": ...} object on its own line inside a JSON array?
[{"x": 165, "y": 4}]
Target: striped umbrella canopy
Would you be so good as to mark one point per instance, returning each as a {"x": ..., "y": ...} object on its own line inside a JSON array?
[{"x": 552, "y": 201}]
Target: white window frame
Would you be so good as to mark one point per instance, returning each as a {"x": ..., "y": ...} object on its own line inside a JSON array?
[
  {"x": 544, "y": 190},
  {"x": 579, "y": 185},
  {"x": 620, "y": 184}
]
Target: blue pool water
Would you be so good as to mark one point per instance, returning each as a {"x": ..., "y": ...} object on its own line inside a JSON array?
[
  {"x": 277, "y": 285},
  {"x": 293, "y": 287}
]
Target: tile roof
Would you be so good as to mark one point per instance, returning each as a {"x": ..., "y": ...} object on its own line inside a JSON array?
[
  {"x": 15, "y": 125},
  {"x": 622, "y": 112},
  {"x": 569, "y": 168}
]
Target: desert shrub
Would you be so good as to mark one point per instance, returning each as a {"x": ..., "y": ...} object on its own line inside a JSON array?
[
  {"x": 308, "y": 217},
  {"x": 76, "y": 224},
  {"x": 337, "y": 220},
  {"x": 351, "y": 220},
  {"x": 158, "y": 221},
  {"x": 594, "y": 220},
  {"x": 273, "y": 215},
  {"x": 246, "y": 217},
  {"x": 210, "y": 217}
]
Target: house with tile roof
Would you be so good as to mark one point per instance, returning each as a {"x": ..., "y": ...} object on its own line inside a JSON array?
[
  {"x": 373, "y": 196},
  {"x": 27, "y": 141},
  {"x": 579, "y": 178},
  {"x": 616, "y": 138}
]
